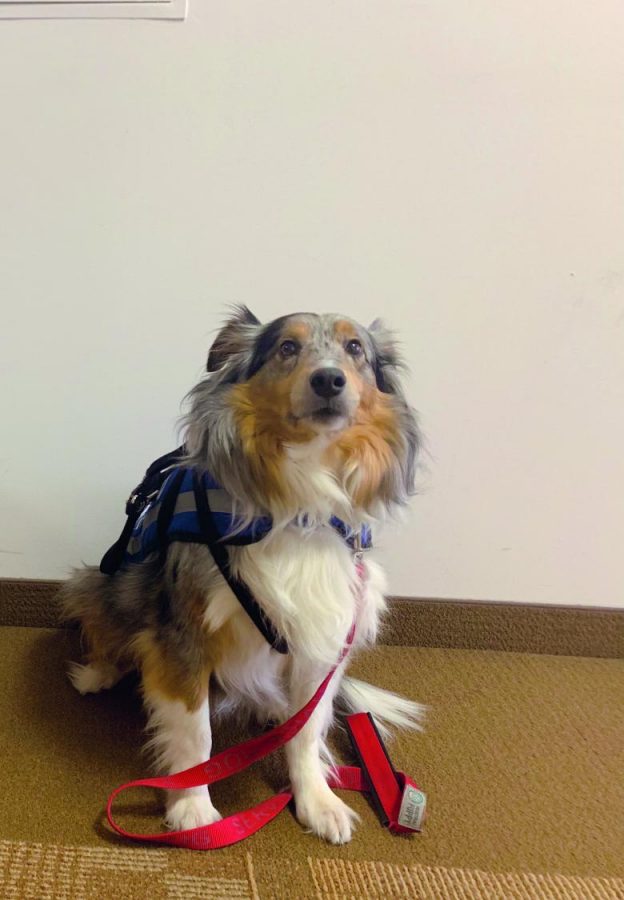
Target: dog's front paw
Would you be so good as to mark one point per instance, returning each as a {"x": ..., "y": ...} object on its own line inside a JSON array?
[
  {"x": 326, "y": 815},
  {"x": 190, "y": 812}
]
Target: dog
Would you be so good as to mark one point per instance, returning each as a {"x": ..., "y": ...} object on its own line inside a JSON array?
[{"x": 301, "y": 423}]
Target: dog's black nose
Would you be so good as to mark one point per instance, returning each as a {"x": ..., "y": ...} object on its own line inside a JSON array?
[{"x": 328, "y": 382}]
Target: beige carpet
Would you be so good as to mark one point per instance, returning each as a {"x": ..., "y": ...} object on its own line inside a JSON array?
[{"x": 522, "y": 760}]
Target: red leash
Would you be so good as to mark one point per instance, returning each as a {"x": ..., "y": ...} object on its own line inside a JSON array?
[{"x": 400, "y": 800}]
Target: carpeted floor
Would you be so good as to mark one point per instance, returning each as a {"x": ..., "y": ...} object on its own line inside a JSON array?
[{"x": 522, "y": 760}]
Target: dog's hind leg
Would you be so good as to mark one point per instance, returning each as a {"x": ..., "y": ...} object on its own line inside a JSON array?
[
  {"x": 89, "y": 598},
  {"x": 95, "y": 676}
]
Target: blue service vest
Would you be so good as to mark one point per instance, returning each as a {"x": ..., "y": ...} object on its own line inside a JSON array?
[
  {"x": 175, "y": 502},
  {"x": 184, "y": 523}
]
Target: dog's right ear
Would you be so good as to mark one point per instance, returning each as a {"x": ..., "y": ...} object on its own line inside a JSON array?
[
  {"x": 387, "y": 361},
  {"x": 235, "y": 338}
]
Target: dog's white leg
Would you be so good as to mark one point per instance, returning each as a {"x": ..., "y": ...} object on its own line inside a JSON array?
[
  {"x": 317, "y": 806},
  {"x": 182, "y": 738}
]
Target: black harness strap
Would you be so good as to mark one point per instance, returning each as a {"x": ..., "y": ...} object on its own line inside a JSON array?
[
  {"x": 167, "y": 509},
  {"x": 114, "y": 556},
  {"x": 221, "y": 557}
]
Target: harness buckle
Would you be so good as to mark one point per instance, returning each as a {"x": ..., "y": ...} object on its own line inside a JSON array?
[
  {"x": 358, "y": 548},
  {"x": 138, "y": 500},
  {"x": 134, "y": 503}
]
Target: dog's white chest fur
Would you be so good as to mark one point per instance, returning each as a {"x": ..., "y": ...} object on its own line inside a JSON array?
[{"x": 308, "y": 585}]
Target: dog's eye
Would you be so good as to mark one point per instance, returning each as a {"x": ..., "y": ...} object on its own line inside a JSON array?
[
  {"x": 289, "y": 348},
  {"x": 354, "y": 348}
]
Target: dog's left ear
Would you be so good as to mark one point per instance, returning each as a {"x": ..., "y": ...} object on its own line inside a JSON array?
[
  {"x": 235, "y": 338},
  {"x": 387, "y": 360},
  {"x": 388, "y": 366}
]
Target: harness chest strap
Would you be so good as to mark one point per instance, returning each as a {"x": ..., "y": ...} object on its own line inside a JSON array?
[{"x": 400, "y": 800}]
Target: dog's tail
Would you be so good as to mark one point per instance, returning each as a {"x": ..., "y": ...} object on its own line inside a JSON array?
[{"x": 389, "y": 710}]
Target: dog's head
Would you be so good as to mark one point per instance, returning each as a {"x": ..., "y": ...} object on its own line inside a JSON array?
[
  {"x": 308, "y": 370},
  {"x": 307, "y": 378}
]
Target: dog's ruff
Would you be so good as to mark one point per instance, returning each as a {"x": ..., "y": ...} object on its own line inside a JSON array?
[{"x": 178, "y": 621}]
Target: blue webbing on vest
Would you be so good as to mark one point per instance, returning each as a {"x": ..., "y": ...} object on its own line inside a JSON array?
[
  {"x": 185, "y": 525},
  {"x": 180, "y": 503}
]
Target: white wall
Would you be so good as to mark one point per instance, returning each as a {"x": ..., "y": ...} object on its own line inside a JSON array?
[{"x": 455, "y": 166}]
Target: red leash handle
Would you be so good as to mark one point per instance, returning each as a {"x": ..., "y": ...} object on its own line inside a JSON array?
[
  {"x": 400, "y": 801},
  {"x": 236, "y": 827}
]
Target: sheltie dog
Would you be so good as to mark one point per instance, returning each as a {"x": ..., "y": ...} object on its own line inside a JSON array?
[{"x": 299, "y": 421}]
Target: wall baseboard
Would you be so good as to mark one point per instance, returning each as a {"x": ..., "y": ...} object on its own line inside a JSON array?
[
  {"x": 454, "y": 624},
  {"x": 514, "y": 627}
]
